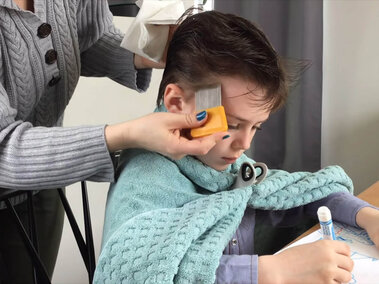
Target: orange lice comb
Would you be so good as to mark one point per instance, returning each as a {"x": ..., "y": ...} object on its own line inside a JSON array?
[{"x": 210, "y": 100}]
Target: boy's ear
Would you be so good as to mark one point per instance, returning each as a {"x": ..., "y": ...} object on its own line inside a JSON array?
[{"x": 175, "y": 99}]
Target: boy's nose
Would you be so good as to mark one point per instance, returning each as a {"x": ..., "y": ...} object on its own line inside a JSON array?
[{"x": 243, "y": 141}]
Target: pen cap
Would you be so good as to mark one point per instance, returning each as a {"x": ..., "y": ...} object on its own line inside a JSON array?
[{"x": 324, "y": 214}]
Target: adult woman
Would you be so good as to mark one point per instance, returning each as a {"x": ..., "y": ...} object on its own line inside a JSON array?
[{"x": 44, "y": 47}]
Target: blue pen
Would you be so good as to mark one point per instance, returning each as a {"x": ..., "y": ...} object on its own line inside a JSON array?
[{"x": 326, "y": 223}]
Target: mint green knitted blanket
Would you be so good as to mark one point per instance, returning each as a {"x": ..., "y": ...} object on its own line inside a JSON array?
[{"x": 169, "y": 221}]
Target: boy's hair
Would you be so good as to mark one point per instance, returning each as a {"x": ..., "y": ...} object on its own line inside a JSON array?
[{"x": 211, "y": 44}]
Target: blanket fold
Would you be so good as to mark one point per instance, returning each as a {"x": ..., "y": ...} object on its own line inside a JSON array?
[{"x": 169, "y": 221}]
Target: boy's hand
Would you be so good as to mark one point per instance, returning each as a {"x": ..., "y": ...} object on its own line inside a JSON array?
[
  {"x": 368, "y": 219},
  {"x": 319, "y": 262}
]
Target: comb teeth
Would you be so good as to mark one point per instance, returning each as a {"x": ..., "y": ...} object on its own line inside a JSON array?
[{"x": 208, "y": 98}]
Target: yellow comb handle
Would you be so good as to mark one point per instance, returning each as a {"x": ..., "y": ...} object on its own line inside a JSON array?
[{"x": 216, "y": 122}]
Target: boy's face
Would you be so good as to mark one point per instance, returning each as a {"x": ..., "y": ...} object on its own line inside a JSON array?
[{"x": 245, "y": 115}]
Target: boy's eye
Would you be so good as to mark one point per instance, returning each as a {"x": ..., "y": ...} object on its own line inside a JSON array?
[
  {"x": 236, "y": 127},
  {"x": 232, "y": 127}
]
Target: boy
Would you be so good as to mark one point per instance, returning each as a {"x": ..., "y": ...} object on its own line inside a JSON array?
[{"x": 179, "y": 221}]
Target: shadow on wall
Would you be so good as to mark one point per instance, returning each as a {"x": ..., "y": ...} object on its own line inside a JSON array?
[{"x": 358, "y": 153}]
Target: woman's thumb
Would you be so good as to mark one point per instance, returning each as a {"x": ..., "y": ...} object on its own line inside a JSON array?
[
  {"x": 195, "y": 120},
  {"x": 186, "y": 121}
]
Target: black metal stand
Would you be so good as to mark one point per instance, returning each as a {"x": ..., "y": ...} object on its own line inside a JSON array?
[
  {"x": 30, "y": 238},
  {"x": 86, "y": 247},
  {"x": 4, "y": 277},
  {"x": 39, "y": 268}
]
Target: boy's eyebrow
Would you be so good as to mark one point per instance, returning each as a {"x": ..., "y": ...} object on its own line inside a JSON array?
[
  {"x": 244, "y": 120},
  {"x": 240, "y": 95}
]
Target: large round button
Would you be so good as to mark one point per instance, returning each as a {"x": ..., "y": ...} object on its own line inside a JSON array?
[
  {"x": 44, "y": 30},
  {"x": 51, "y": 56},
  {"x": 54, "y": 81}
]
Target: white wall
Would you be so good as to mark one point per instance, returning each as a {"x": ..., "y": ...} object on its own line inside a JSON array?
[
  {"x": 97, "y": 101},
  {"x": 350, "y": 127}
]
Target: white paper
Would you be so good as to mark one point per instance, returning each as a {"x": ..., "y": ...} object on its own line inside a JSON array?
[
  {"x": 148, "y": 33},
  {"x": 363, "y": 252}
]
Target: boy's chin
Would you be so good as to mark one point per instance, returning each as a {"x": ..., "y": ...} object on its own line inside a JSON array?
[{"x": 219, "y": 167}]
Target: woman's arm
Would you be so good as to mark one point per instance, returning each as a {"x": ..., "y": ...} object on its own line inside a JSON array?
[
  {"x": 161, "y": 132},
  {"x": 101, "y": 53},
  {"x": 49, "y": 157}
]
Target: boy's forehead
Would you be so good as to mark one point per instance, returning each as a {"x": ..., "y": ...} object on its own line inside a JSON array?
[
  {"x": 243, "y": 109},
  {"x": 238, "y": 86},
  {"x": 243, "y": 90},
  {"x": 243, "y": 99}
]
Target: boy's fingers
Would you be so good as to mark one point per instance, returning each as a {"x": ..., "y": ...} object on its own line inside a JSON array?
[
  {"x": 345, "y": 263},
  {"x": 342, "y": 276},
  {"x": 342, "y": 248}
]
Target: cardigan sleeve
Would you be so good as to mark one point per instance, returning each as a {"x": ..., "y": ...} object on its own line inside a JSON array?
[
  {"x": 101, "y": 54},
  {"x": 43, "y": 158}
]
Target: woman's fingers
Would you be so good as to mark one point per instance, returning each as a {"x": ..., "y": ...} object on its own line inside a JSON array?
[
  {"x": 163, "y": 133},
  {"x": 186, "y": 121},
  {"x": 199, "y": 146},
  {"x": 182, "y": 145}
]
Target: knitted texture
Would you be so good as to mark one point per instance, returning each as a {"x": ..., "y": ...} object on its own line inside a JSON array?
[
  {"x": 169, "y": 221},
  {"x": 86, "y": 43}
]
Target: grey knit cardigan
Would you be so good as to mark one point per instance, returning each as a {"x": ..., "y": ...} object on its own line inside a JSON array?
[{"x": 42, "y": 55}]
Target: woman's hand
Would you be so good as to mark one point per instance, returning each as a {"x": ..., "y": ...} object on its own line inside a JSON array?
[
  {"x": 368, "y": 218},
  {"x": 161, "y": 132},
  {"x": 142, "y": 62},
  {"x": 319, "y": 262}
]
